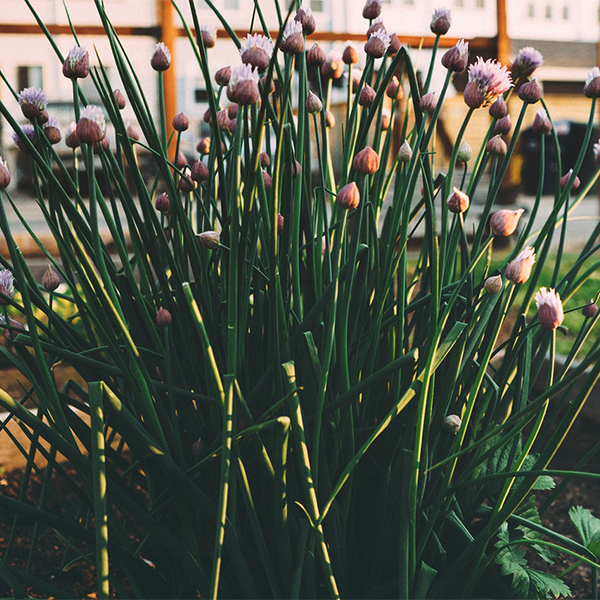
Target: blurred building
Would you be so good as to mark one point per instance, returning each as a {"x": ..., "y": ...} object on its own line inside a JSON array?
[{"x": 567, "y": 33}]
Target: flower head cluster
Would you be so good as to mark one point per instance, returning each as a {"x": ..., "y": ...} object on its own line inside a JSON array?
[
  {"x": 161, "y": 58},
  {"x": 243, "y": 85},
  {"x": 292, "y": 40},
  {"x": 77, "y": 63},
  {"x": 209, "y": 34},
  {"x": 457, "y": 57},
  {"x": 91, "y": 127},
  {"x": 7, "y": 285},
  {"x": 591, "y": 87},
  {"x": 33, "y": 102},
  {"x": 256, "y": 50},
  {"x": 528, "y": 59},
  {"x": 487, "y": 80},
  {"x": 378, "y": 43},
  {"x": 440, "y": 21},
  {"x": 550, "y": 308},
  {"x": 28, "y": 131},
  {"x": 518, "y": 270}
]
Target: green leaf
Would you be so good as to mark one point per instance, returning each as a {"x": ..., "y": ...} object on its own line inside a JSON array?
[
  {"x": 588, "y": 527},
  {"x": 544, "y": 482}
]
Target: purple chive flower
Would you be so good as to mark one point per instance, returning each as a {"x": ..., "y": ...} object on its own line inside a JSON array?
[
  {"x": 440, "y": 21},
  {"x": 52, "y": 130},
  {"x": 292, "y": 41},
  {"x": 7, "y": 286},
  {"x": 161, "y": 57},
  {"x": 91, "y": 127},
  {"x": 33, "y": 102},
  {"x": 487, "y": 81},
  {"x": 550, "y": 308},
  {"x": 528, "y": 59},
  {"x": 77, "y": 63},
  {"x": 307, "y": 19},
  {"x": 377, "y": 43},
  {"x": 256, "y": 51},
  {"x": 243, "y": 85},
  {"x": 591, "y": 87},
  {"x": 457, "y": 57},
  {"x": 9, "y": 332},
  {"x": 29, "y": 132},
  {"x": 209, "y": 34}
]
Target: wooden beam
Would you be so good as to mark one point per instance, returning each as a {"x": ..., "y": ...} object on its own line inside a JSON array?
[
  {"x": 169, "y": 36},
  {"x": 503, "y": 50},
  {"x": 31, "y": 29}
]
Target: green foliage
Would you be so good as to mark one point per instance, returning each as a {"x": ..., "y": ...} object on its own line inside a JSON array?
[{"x": 278, "y": 400}]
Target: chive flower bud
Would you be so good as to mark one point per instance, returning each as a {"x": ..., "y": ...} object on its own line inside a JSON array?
[
  {"x": 565, "y": 179},
  {"x": 77, "y": 63},
  {"x": 458, "y": 202},
  {"x": 465, "y": 153},
  {"x": 119, "y": 99},
  {"x": 377, "y": 44},
  {"x": 550, "y": 308},
  {"x": 243, "y": 85},
  {"x": 161, "y": 58},
  {"x": 209, "y": 35},
  {"x": 493, "y": 284},
  {"x": 591, "y": 88},
  {"x": 503, "y": 126},
  {"x": 280, "y": 223},
  {"x": 163, "y": 317},
  {"x": 350, "y": 54},
  {"x": 349, "y": 196},
  {"x": 496, "y": 146},
  {"x": 50, "y": 279},
  {"x": 7, "y": 286},
  {"x": 405, "y": 152},
  {"x": 209, "y": 239},
  {"x": 162, "y": 203},
  {"x": 366, "y": 161},
  {"x": 590, "y": 309},
  {"x": 451, "y": 424},
  {"x": 519, "y": 270},
  {"x": 33, "y": 102},
  {"x": 528, "y": 59},
  {"x": 256, "y": 51},
  {"x": 4, "y": 175},
  {"x": 457, "y": 58},
  {"x": 181, "y": 122},
  {"x": 292, "y": 40},
  {"x": 71, "y": 139},
  {"x": 376, "y": 25},
  {"x": 366, "y": 96},
  {"x": 329, "y": 119},
  {"x": 265, "y": 160},
  {"x": 504, "y": 222},
  {"x": 394, "y": 45},
  {"x": 203, "y": 146},
  {"x": 313, "y": 104},
  {"x": 394, "y": 89},
  {"x": 541, "y": 123},
  {"x": 498, "y": 108},
  {"x": 385, "y": 120},
  {"x": 305, "y": 17},
  {"x": 333, "y": 66},
  {"x": 427, "y": 103},
  {"x": 371, "y": 9},
  {"x": 52, "y": 130},
  {"x": 91, "y": 127},
  {"x": 440, "y": 21},
  {"x": 531, "y": 92},
  {"x": 222, "y": 76},
  {"x": 315, "y": 57},
  {"x": 199, "y": 172},
  {"x": 267, "y": 181}
]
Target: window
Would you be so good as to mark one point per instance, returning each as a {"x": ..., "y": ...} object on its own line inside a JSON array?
[
  {"x": 565, "y": 13},
  {"x": 316, "y": 5},
  {"x": 531, "y": 10},
  {"x": 548, "y": 11},
  {"x": 29, "y": 77},
  {"x": 231, "y": 4},
  {"x": 459, "y": 3},
  {"x": 409, "y": 1},
  {"x": 479, "y": 3}
]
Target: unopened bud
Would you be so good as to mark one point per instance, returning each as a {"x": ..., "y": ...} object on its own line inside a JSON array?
[
  {"x": 440, "y": 21},
  {"x": 493, "y": 284},
  {"x": 541, "y": 123},
  {"x": 4, "y": 175},
  {"x": 367, "y": 96},
  {"x": 329, "y": 119},
  {"x": 498, "y": 108},
  {"x": 503, "y": 126},
  {"x": 203, "y": 146},
  {"x": 530, "y": 92},
  {"x": 315, "y": 57},
  {"x": 313, "y": 104},
  {"x": 161, "y": 58},
  {"x": 550, "y": 308},
  {"x": 222, "y": 76},
  {"x": 590, "y": 309},
  {"x": 119, "y": 99},
  {"x": 565, "y": 179},
  {"x": 181, "y": 122},
  {"x": 349, "y": 196},
  {"x": 162, "y": 203},
  {"x": 519, "y": 270},
  {"x": 366, "y": 161},
  {"x": 405, "y": 152},
  {"x": 451, "y": 424},
  {"x": 199, "y": 172},
  {"x": 267, "y": 181},
  {"x": 496, "y": 146},
  {"x": 350, "y": 54},
  {"x": 458, "y": 202},
  {"x": 427, "y": 103},
  {"x": 465, "y": 153},
  {"x": 280, "y": 222},
  {"x": 50, "y": 279},
  {"x": 504, "y": 222},
  {"x": 163, "y": 317},
  {"x": 394, "y": 89},
  {"x": 265, "y": 160},
  {"x": 209, "y": 239}
]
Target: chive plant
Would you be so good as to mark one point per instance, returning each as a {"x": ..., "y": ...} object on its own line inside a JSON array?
[{"x": 282, "y": 398}]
